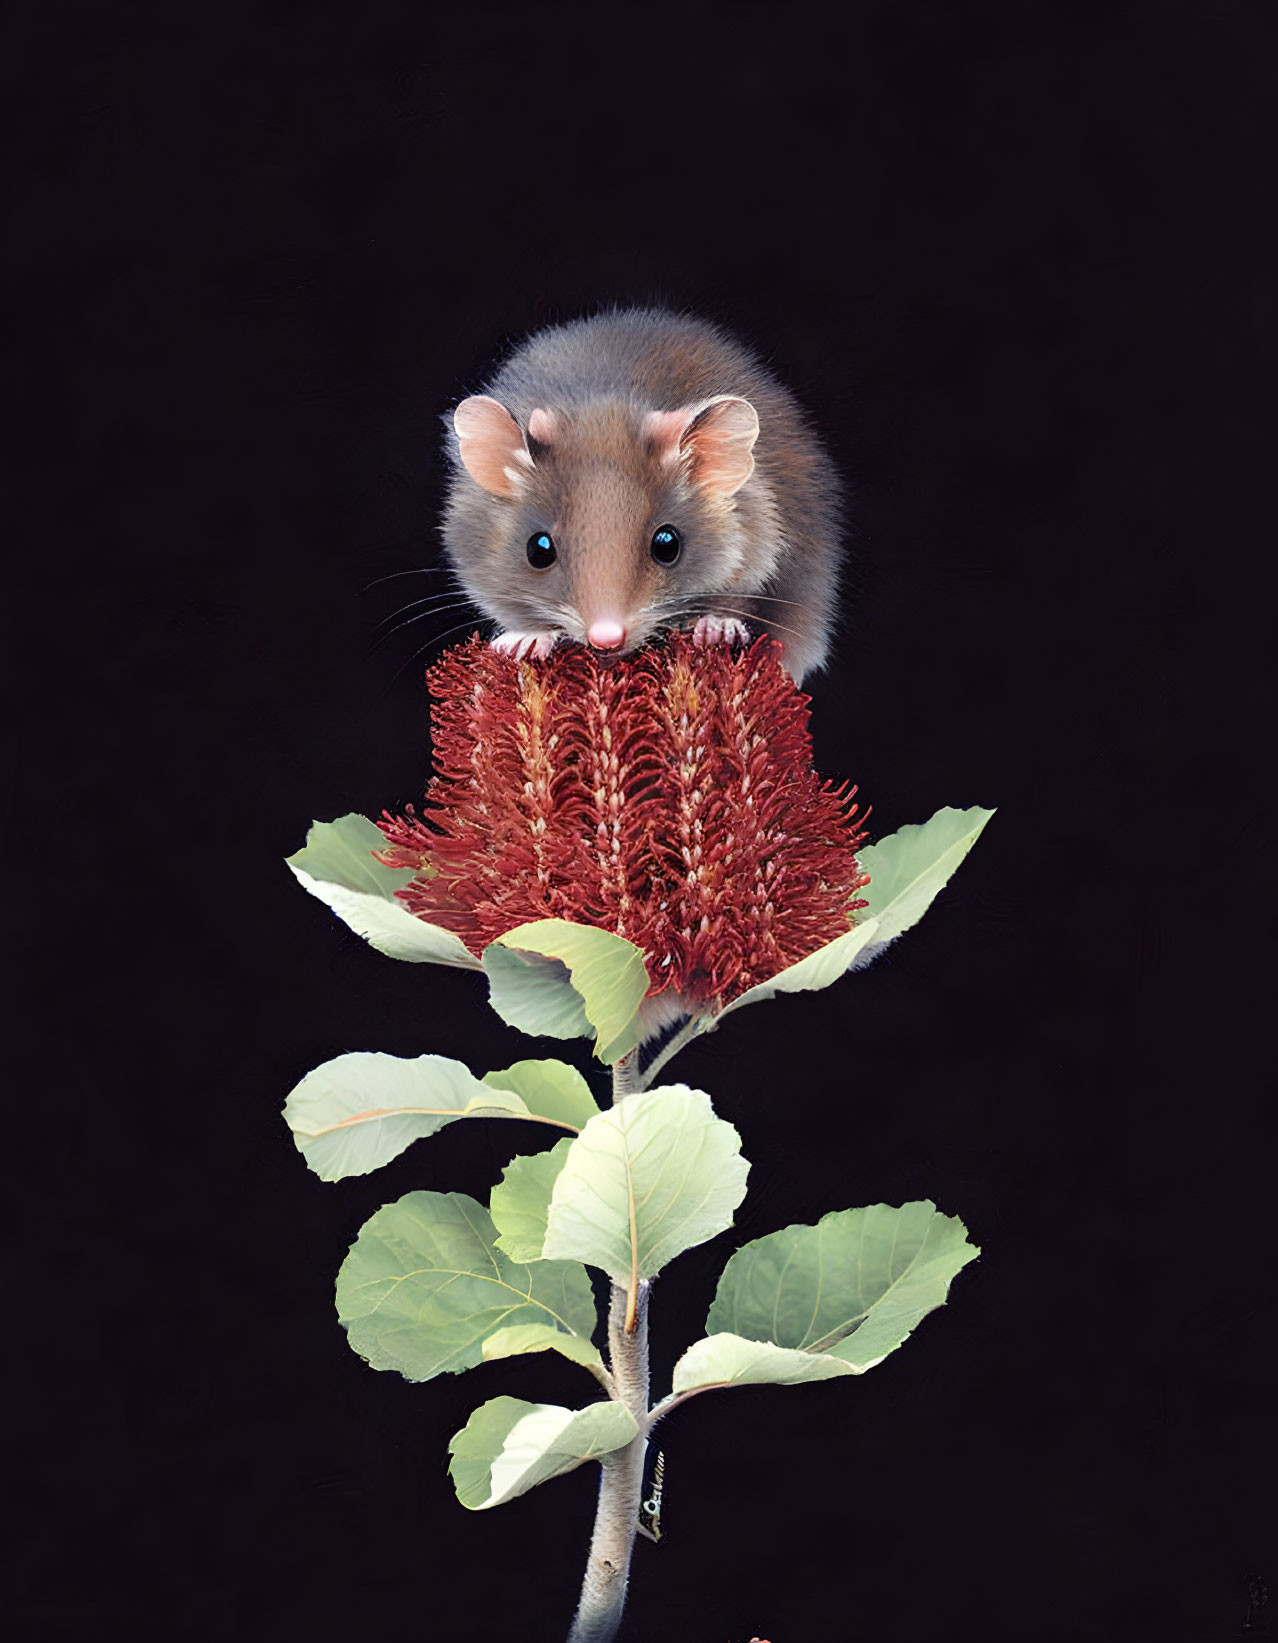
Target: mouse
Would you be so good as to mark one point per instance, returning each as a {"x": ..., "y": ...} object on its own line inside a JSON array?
[{"x": 640, "y": 470}]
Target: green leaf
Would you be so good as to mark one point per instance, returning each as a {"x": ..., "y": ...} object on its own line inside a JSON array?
[
  {"x": 551, "y": 1088},
  {"x": 509, "y": 1446},
  {"x": 909, "y": 868},
  {"x": 605, "y": 971},
  {"x": 360, "y": 1110},
  {"x": 907, "y": 871},
  {"x": 817, "y": 970},
  {"x": 520, "y": 1338},
  {"x": 520, "y": 1201},
  {"x": 534, "y": 994},
  {"x": 731, "y": 1360},
  {"x": 336, "y": 864},
  {"x": 853, "y": 1286},
  {"x": 424, "y": 1286},
  {"x": 659, "y": 1163},
  {"x": 341, "y": 852}
]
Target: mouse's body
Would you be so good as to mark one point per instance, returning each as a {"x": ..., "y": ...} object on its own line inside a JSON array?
[{"x": 637, "y": 471}]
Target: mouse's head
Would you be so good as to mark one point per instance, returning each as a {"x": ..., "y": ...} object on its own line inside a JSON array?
[{"x": 607, "y": 522}]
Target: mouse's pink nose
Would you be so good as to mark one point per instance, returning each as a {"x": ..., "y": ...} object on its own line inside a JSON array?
[{"x": 606, "y": 634}]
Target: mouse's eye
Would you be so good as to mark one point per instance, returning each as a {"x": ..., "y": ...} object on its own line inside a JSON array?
[
  {"x": 666, "y": 545},
  {"x": 540, "y": 550}
]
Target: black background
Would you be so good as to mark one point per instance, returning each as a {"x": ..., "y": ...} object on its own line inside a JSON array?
[{"x": 1018, "y": 263}]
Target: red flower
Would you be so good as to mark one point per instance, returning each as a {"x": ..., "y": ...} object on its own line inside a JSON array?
[{"x": 668, "y": 795}]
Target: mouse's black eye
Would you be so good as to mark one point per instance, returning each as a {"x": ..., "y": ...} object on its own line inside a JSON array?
[
  {"x": 541, "y": 551},
  {"x": 666, "y": 546}
]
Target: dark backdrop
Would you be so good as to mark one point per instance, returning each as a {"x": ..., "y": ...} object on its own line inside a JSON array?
[{"x": 1018, "y": 263}]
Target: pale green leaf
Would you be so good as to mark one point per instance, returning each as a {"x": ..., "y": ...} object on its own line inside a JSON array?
[
  {"x": 853, "y": 1286},
  {"x": 360, "y": 1110},
  {"x": 424, "y": 1286},
  {"x": 336, "y": 864},
  {"x": 520, "y": 1338},
  {"x": 731, "y": 1360},
  {"x": 909, "y": 868},
  {"x": 341, "y": 852},
  {"x": 509, "y": 1446},
  {"x": 907, "y": 871},
  {"x": 817, "y": 970},
  {"x": 660, "y": 1162},
  {"x": 551, "y": 1088},
  {"x": 520, "y": 1202},
  {"x": 606, "y": 972},
  {"x": 534, "y": 994}
]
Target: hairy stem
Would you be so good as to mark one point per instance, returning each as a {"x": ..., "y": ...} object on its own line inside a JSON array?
[
  {"x": 691, "y": 1029},
  {"x": 603, "y": 1589}
]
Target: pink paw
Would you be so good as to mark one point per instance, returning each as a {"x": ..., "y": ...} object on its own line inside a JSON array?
[
  {"x": 720, "y": 630},
  {"x": 525, "y": 644}
]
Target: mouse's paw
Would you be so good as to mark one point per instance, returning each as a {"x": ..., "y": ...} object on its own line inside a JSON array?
[
  {"x": 520, "y": 645},
  {"x": 720, "y": 630}
]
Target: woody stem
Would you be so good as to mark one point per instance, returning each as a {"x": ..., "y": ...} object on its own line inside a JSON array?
[{"x": 603, "y": 1589}]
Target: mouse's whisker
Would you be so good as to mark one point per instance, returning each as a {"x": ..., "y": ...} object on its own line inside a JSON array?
[
  {"x": 422, "y": 649},
  {"x": 539, "y": 610},
  {"x": 709, "y": 602},
  {"x": 423, "y": 616},
  {"x": 430, "y": 570},
  {"x": 437, "y": 599},
  {"x": 745, "y": 615},
  {"x": 771, "y": 599},
  {"x": 709, "y": 606},
  {"x": 693, "y": 605}
]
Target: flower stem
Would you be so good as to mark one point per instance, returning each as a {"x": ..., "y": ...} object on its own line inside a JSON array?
[
  {"x": 603, "y": 1588},
  {"x": 625, "y": 1077}
]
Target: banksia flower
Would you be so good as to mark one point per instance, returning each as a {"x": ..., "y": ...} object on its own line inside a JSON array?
[{"x": 668, "y": 796}]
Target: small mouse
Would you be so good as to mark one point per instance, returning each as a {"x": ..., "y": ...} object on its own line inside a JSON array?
[{"x": 640, "y": 470}]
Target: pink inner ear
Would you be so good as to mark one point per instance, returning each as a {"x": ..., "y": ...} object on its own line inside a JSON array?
[
  {"x": 721, "y": 444},
  {"x": 665, "y": 430},
  {"x": 491, "y": 445},
  {"x": 542, "y": 426}
]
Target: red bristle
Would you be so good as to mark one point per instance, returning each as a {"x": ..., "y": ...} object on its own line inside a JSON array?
[{"x": 668, "y": 796}]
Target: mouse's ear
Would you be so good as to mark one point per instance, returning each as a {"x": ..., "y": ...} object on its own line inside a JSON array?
[
  {"x": 491, "y": 445},
  {"x": 716, "y": 439}
]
